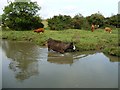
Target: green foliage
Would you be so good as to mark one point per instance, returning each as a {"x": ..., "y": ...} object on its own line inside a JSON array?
[
  {"x": 118, "y": 20},
  {"x": 115, "y": 21},
  {"x": 97, "y": 19},
  {"x": 107, "y": 22},
  {"x": 86, "y": 25},
  {"x": 21, "y": 16},
  {"x": 114, "y": 51},
  {"x": 80, "y": 22},
  {"x": 77, "y": 21},
  {"x": 62, "y": 22},
  {"x": 59, "y": 22}
]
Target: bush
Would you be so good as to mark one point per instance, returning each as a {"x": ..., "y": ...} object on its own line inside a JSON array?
[
  {"x": 60, "y": 22},
  {"x": 77, "y": 21}
]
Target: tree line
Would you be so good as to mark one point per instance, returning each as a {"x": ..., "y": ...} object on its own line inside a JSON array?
[
  {"x": 61, "y": 22},
  {"x": 23, "y": 16}
]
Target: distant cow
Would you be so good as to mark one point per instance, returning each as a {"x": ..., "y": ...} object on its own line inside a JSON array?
[
  {"x": 59, "y": 46},
  {"x": 92, "y": 27},
  {"x": 108, "y": 29},
  {"x": 39, "y": 30}
]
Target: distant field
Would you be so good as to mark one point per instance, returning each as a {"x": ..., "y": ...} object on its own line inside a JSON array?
[{"x": 84, "y": 40}]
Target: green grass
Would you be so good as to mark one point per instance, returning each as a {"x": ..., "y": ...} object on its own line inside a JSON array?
[{"x": 84, "y": 40}]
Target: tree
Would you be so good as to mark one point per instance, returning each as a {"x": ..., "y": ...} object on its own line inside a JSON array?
[
  {"x": 21, "y": 16},
  {"x": 107, "y": 21},
  {"x": 114, "y": 21},
  {"x": 60, "y": 22},
  {"x": 118, "y": 18},
  {"x": 77, "y": 21},
  {"x": 86, "y": 25},
  {"x": 97, "y": 19}
]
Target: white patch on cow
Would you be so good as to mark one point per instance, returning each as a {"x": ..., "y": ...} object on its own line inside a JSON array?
[{"x": 74, "y": 47}]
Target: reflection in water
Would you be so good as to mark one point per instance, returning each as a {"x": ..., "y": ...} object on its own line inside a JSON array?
[
  {"x": 86, "y": 53},
  {"x": 54, "y": 57},
  {"x": 70, "y": 58},
  {"x": 67, "y": 58},
  {"x": 60, "y": 60},
  {"x": 23, "y": 58}
]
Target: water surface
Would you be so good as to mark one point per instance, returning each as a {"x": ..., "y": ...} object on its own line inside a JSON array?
[{"x": 26, "y": 65}]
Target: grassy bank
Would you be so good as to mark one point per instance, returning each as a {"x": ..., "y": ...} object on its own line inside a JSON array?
[{"x": 84, "y": 40}]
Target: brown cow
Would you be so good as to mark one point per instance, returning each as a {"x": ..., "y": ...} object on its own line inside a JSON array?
[
  {"x": 59, "y": 46},
  {"x": 108, "y": 29},
  {"x": 92, "y": 27},
  {"x": 39, "y": 30}
]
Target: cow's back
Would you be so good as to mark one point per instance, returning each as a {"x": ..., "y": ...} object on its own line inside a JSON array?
[
  {"x": 108, "y": 29},
  {"x": 58, "y": 46},
  {"x": 39, "y": 30}
]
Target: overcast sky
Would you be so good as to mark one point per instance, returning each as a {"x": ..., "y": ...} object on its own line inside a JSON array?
[{"x": 49, "y": 8}]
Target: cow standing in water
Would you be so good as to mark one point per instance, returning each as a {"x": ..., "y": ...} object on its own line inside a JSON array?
[
  {"x": 59, "y": 46},
  {"x": 39, "y": 30},
  {"x": 108, "y": 29},
  {"x": 92, "y": 27}
]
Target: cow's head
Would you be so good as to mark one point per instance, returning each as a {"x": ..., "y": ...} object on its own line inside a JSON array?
[{"x": 71, "y": 47}]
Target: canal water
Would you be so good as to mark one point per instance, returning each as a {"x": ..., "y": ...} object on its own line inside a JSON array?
[{"x": 26, "y": 65}]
